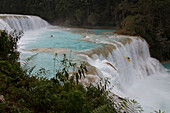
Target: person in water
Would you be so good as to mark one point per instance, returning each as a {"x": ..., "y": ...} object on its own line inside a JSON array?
[
  {"x": 128, "y": 58},
  {"x": 52, "y": 36}
]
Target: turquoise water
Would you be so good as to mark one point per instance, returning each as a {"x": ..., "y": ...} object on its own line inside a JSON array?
[
  {"x": 60, "y": 39},
  {"x": 100, "y": 31},
  {"x": 167, "y": 65},
  {"x": 94, "y": 31}
]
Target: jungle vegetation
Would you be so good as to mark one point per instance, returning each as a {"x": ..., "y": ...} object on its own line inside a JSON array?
[
  {"x": 22, "y": 91},
  {"x": 149, "y": 19}
]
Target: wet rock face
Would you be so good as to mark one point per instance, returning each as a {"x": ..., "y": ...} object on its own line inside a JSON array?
[{"x": 106, "y": 49}]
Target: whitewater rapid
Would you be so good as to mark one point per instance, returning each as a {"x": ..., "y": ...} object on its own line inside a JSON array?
[
  {"x": 141, "y": 65},
  {"x": 143, "y": 78},
  {"x": 21, "y": 22}
]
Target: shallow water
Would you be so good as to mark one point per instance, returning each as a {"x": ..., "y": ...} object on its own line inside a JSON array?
[
  {"x": 94, "y": 31},
  {"x": 60, "y": 39},
  {"x": 62, "y": 42},
  {"x": 167, "y": 65},
  {"x": 143, "y": 78},
  {"x": 152, "y": 91}
]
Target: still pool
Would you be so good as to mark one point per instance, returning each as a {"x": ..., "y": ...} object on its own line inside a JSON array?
[
  {"x": 46, "y": 42},
  {"x": 167, "y": 65},
  {"x": 60, "y": 39}
]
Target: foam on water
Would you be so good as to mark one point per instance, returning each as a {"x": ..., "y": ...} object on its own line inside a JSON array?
[
  {"x": 143, "y": 78},
  {"x": 60, "y": 39},
  {"x": 4, "y": 25},
  {"x": 21, "y": 22},
  {"x": 152, "y": 92},
  {"x": 41, "y": 42}
]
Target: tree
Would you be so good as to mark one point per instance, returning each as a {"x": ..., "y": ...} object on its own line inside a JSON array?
[{"x": 8, "y": 46}]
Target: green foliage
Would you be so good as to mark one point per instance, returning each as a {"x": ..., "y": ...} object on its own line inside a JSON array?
[
  {"x": 130, "y": 106},
  {"x": 159, "y": 111},
  {"x": 148, "y": 19},
  {"x": 26, "y": 61},
  {"x": 25, "y": 93},
  {"x": 8, "y": 46},
  {"x": 66, "y": 65},
  {"x": 64, "y": 12},
  {"x": 99, "y": 109}
]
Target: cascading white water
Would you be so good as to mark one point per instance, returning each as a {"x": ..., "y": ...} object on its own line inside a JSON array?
[
  {"x": 140, "y": 66},
  {"x": 4, "y": 25},
  {"x": 21, "y": 22},
  {"x": 111, "y": 61}
]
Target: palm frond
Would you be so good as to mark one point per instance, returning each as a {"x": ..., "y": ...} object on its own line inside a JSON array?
[
  {"x": 99, "y": 109},
  {"x": 26, "y": 61}
]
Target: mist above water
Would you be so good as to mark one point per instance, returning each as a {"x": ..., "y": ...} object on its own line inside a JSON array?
[{"x": 143, "y": 78}]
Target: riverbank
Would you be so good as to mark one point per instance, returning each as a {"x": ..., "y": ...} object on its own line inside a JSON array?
[
  {"x": 123, "y": 32},
  {"x": 164, "y": 62},
  {"x": 90, "y": 27}
]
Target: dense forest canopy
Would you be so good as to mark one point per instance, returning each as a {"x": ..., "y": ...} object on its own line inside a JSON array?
[
  {"x": 23, "y": 91},
  {"x": 149, "y": 19},
  {"x": 69, "y": 12}
]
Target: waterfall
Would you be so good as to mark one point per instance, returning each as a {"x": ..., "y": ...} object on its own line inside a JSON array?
[
  {"x": 111, "y": 61},
  {"x": 21, "y": 22},
  {"x": 4, "y": 25},
  {"x": 143, "y": 78}
]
